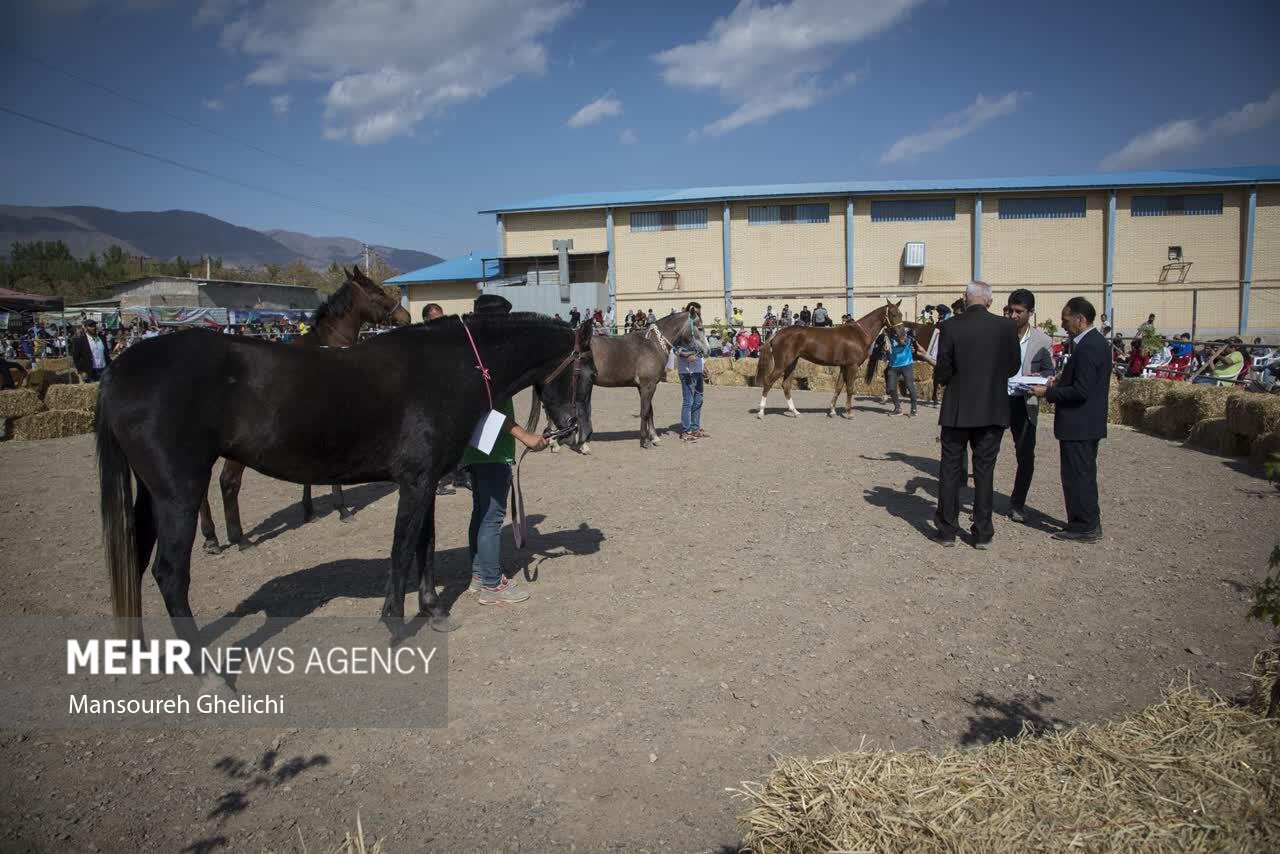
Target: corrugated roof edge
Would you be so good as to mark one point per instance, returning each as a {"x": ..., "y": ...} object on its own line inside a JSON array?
[
  {"x": 1104, "y": 180},
  {"x": 470, "y": 266}
]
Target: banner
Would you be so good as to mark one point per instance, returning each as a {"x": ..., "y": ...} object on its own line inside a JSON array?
[
  {"x": 270, "y": 315},
  {"x": 214, "y": 318}
]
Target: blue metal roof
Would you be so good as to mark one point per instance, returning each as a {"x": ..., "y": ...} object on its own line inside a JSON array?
[
  {"x": 470, "y": 267},
  {"x": 1104, "y": 180}
]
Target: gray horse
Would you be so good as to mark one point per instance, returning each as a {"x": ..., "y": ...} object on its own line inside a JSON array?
[{"x": 639, "y": 360}]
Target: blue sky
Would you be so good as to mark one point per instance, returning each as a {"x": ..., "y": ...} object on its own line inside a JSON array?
[{"x": 411, "y": 115}]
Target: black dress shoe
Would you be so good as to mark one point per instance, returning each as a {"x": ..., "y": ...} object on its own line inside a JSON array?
[
  {"x": 1080, "y": 536},
  {"x": 1018, "y": 514},
  {"x": 944, "y": 541},
  {"x": 445, "y": 489},
  {"x": 982, "y": 544}
]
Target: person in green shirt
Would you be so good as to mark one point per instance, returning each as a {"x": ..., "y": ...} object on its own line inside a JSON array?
[
  {"x": 1226, "y": 367},
  {"x": 490, "y": 483}
]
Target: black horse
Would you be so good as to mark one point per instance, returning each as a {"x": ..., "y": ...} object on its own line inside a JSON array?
[{"x": 399, "y": 408}]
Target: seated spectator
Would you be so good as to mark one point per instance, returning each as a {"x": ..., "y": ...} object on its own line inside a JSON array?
[
  {"x": 1226, "y": 368},
  {"x": 753, "y": 342},
  {"x": 726, "y": 349},
  {"x": 1181, "y": 346},
  {"x": 742, "y": 344},
  {"x": 1260, "y": 350},
  {"x": 713, "y": 341},
  {"x": 1137, "y": 359}
]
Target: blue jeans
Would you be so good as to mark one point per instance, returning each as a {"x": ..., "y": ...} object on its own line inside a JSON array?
[
  {"x": 691, "y": 402},
  {"x": 489, "y": 485}
]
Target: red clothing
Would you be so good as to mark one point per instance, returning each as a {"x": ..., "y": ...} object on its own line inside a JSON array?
[
  {"x": 753, "y": 341},
  {"x": 1137, "y": 363}
]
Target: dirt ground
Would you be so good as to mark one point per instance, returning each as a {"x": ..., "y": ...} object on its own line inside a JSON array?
[{"x": 700, "y": 607}]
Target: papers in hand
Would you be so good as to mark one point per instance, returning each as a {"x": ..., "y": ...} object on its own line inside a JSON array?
[
  {"x": 487, "y": 431},
  {"x": 1021, "y": 384}
]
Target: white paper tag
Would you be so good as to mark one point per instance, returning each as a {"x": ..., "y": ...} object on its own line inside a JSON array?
[{"x": 487, "y": 431}]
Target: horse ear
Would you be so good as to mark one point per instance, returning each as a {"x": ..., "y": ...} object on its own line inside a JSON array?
[
  {"x": 898, "y": 303},
  {"x": 584, "y": 334}
]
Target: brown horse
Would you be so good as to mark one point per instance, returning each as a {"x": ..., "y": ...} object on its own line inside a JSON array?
[
  {"x": 336, "y": 323},
  {"x": 639, "y": 359},
  {"x": 845, "y": 346}
]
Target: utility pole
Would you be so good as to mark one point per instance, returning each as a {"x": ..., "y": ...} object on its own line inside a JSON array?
[{"x": 366, "y": 258}]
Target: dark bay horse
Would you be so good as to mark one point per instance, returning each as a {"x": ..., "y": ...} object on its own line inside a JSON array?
[
  {"x": 845, "y": 346},
  {"x": 923, "y": 335},
  {"x": 171, "y": 406},
  {"x": 639, "y": 360},
  {"x": 336, "y": 323}
]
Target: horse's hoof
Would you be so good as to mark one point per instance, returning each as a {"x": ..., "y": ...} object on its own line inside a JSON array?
[
  {"x": 831, "y": 414},
  {"x": 657, "y": 440},
  {"x": 443, "y": 623},
  {"x": 791, "y": 413},
  {"x": 555, "y": 449},
  {"x": 347, "y": 517},
  {"x": 308, "y": 518},
  {"x": 211, "y": 547},
  {"x": 759, "y": 416},
  {"x": 585, "y": 449}
]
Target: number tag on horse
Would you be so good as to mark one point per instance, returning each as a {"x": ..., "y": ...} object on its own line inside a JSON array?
[{"x": 487, "y": 431}]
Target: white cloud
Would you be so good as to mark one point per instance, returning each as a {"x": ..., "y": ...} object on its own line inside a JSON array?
[
  {"x": 767, "y": 59},
  {"x": 627, "y": 137},
  {"x": 390, "y": 64},
  {"x": 214, "y": 104},
  {"x": 954, "y": 126},
  {"x": 1188, "y": 134},
  {"x": 281, "y": 104},
  {"x": 601, "y": 108}
]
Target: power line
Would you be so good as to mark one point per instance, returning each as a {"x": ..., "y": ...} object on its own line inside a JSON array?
[
  {"x": 208, "y": 174},
  {"x": 218, "y": 133}
]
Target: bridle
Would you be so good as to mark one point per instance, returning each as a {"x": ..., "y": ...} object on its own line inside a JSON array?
[{"x": 575, "y": 359}]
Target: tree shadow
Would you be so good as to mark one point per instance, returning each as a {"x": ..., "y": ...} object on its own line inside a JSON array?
[
  {"x": 1000, "y": 719},
  {"x": 289, "y": 517},
  {"x": 247, "y": 778},
  {"x": 285, "y": 599}
]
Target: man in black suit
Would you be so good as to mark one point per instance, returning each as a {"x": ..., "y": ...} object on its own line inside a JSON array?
[
  {"x": 977, "y": 353},
  {"x": 89, "y": 353},
  {"x": 1080, "y": 419}
]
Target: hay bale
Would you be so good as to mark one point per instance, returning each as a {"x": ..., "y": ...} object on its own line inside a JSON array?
[
  {"x": 671, "y": 375},
  {"x": 924, "y": 373},
  {"x": 716, "y": 365},
  {"x": 1262, "y": 447},
  {"x": 1190, "y": 773},
  {"x": 1131, "y": 413},
  {"x": 40, "y": 380},
  {"x": 746, "y": 367},
  {"x": 53, "y": 424},
  {"x": 1148, "y": 392},
  {"x": 1215, "y": 436},
  {"x": 1165, "y": 421},
  {"x": 1262, "y": 676},
  {"x": 1252, "y": 414},
  {"x": 64, "y": 364},
  {"x": 79, "y": 396},
  {"x": 19, "y": 402},
  {"x": 727, "y": 378},
  {"x": 821, "y": 383}
]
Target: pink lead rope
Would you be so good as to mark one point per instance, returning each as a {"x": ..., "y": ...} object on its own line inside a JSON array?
[{"x": 484, "y": 372}]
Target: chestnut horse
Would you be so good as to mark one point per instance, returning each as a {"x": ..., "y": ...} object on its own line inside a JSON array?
[
  {"x": 336, "y": 323},
  {"x": 846, "y": 346}
]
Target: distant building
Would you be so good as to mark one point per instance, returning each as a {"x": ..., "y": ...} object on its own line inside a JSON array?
[
  {"x": 156, "y": 291},
  {"x": 1199, "y": 248},
  {"x": 454, "y": 284}
]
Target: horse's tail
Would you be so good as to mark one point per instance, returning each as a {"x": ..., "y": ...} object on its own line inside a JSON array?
[
  {"x": 765, "y": 362},
  {"x": 873, "y": 360},
  {"x": 115, "y": 483}
]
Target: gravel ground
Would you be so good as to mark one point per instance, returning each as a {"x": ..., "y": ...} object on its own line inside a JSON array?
[{"x": 700, "y": 607}]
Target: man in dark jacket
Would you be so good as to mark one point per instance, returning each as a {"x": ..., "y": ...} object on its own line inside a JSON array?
[
  {"x": 977, "y": 353},
  {"x": 1079, "y": 397},
  {"x": 1024, "y": 410},
  {"x": 89, "y": 353}
]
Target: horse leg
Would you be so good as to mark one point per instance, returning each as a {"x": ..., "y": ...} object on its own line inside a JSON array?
[
  {"x": 850, "y": 373},
  {"x": 229, "y": 481},
  {"x": 835, "y": 395},
  {"x": 344, "y": 514},
  {"x": 308, "y": 509},
  {"x": 433, "y": 606},
  {"x": 786, "y": 392},
  {"x": 410, "y": 513},
  {"x": 207, "y": 530},
  {"x": 646, "y": 415}
]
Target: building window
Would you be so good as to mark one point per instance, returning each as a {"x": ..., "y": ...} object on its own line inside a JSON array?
[
  {"x": 669, "y": 220},
  {"x": 1200, "y": 204},
  {"x": 1050, "y": 207},
  {"x": 913, "y": 210},
  {"x": 780, "y": 214}
]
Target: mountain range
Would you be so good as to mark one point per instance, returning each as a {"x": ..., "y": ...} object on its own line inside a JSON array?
[{"x": 168, "y": 234}]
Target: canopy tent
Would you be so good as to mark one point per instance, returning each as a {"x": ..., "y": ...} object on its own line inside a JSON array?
[{"x": 17, "y": 301}]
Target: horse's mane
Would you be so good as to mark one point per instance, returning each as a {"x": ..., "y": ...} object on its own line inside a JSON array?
[{"x": 337, "y": 305}]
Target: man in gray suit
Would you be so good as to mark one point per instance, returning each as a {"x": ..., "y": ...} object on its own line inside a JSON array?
[{"x": 1024, "y": 409}]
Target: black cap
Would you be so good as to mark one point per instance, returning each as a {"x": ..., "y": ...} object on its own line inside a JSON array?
[
  {"x": 491, "y": 304},
  {"x": 91, "y": 322}
]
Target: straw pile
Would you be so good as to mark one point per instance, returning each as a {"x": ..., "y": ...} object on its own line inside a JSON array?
[
  {"x": 1165, "y": 421},
  {"x": 1147, "y": 392},
  {"x": 18, "y": 402},
  {"x": 1189, "y": 774},
  {"x": 1263, "y": 447},
  {"x": 55, "y": 365},
  {"x": 671, "y": 375},
  {"x": 53, "y": 424},
  {"x": 716, "y": 365},
  {"x": 40, "y": 380},
  {"x": 79, "y": 396},
  {"x": 1214, "y": 434},
  {"x": 1262, "y": 676},
  {"x": 746, "y": 367},
  {"x": 821, "y": 382},
  {"x": 1197, "y": 402},
  {"x": 1253, "y": 414},
  {"x": 728, "y": 378}
]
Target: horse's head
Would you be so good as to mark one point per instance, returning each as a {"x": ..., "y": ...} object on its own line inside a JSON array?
[
  {"x": 893, "y": 314},
  {"x": 566, "y": 391},
  {"x": 380, "y": 305},
  {"x": 685, "y": 329}
]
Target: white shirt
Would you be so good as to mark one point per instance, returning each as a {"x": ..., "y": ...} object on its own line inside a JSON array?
[
  {"x": 1076, "y": 340},
  {"x": 98, "y": 349},
  {"x": 1022, "y": 345}
]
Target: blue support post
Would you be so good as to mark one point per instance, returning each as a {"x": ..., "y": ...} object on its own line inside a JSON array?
[
  {"x": 1108, "y": 300},
  {"x": 1247, "y": 283},
  {"x": 977, "y": 236},
  {"x": 613, "y": 291},
  {"x": 728, "y": 272},
  {"x": 848, "y": 256}
]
